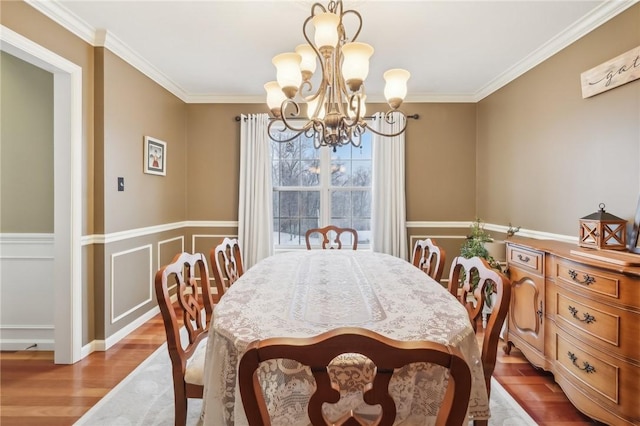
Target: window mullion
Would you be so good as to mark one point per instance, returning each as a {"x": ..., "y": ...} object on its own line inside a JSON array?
[{"x": 325, "y": 182}]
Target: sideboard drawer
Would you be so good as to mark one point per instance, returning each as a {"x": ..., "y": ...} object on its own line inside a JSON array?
[
  {"x": 589, "y": 317},
  {"x": 588, "y": 280},
  {"x": 531, "y": 260},
  {"x": 607, "y": 327},
  {"x": 588, "y": 368}
]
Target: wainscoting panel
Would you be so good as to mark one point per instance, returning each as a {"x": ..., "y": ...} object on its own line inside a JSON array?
[
  {"x": 203, "y": 243},
  {"x": 131, "y": 280},
  {"x": 26, "y": 289},
  {"x": 167, "y": 250}
]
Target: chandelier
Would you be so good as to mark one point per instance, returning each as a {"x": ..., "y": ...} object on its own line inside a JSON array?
[{"x": 335, "y": 111}]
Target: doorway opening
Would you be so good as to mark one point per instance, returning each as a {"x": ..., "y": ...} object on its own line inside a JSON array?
[{"x": 67, "y": 153}]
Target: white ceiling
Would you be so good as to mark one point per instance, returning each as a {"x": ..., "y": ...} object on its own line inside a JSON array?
[{"x": 220, "y": 51}]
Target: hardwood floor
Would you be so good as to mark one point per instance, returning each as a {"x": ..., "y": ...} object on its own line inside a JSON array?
[
  {"x": 34, "y": 391},
  {"x": 536, "y": 391}
]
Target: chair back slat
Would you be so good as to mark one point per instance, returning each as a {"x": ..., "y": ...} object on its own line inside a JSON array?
[
  {"x": 470, "y": 281},
  {"x": 329, "y": 241},
  {"x": 193, "y": 312},
  {"x": 226, "y": 263},
  {"x": 429, "y": 257},
  {"x": 386, "y": 354}
]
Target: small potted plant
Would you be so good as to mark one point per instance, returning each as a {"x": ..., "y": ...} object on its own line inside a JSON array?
[{"x": 476, "y": 245}]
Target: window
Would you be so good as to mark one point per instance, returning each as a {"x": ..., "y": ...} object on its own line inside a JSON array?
[{"x": 318, "y": 187}]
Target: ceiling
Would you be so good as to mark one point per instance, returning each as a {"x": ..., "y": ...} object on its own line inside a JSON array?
[{"x": 220, "y": 51}]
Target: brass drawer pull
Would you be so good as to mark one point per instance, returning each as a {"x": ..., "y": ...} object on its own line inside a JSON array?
[
  {"x": 522, "y": 258},
  {"x": 587, "y": 279},
  {"x": 587, "y": 368},
  {"x": 588, "y": 318}
]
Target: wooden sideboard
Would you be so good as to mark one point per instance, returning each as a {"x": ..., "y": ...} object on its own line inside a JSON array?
[{"x": 576, "y": 313}]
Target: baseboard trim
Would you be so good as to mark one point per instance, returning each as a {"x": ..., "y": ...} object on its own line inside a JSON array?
[{"x": 103, "y": 345}]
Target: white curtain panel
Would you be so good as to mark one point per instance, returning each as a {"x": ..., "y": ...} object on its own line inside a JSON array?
[
  {"x": 389, "y": 206},
  {"x": 255, "y": 209}
]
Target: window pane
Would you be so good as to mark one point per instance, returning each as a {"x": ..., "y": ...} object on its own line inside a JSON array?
[
  {"x": 289, "y": 204},
  {"x": 310, "y": 173},
  {"x": 296, "y": 212},
  {"x": 310, "y": 205},
  {"x": 348, "y": 172},
  {"x": 340, "y": 172},
  {"x": 363, "y": 226},
  {"x": 308, "y": 152},
  {"x": 364, "y": 152},
  {"x": 305, "y": 225},
  {"x": 361, "y": 174},
  {"x": 340, "y": 205},
  {"x": 289, "y": 232}
]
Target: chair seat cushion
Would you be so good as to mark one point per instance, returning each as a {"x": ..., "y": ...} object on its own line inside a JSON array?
[{"x": 194, "y": 372}]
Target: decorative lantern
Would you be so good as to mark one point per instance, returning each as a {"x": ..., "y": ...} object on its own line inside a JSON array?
[{"x": 602, "y": 230}]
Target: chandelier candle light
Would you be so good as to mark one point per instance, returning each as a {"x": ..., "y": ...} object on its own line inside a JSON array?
[{"x": 336, "y": 110}]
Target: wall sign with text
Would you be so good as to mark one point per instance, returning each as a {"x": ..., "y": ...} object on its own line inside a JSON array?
[{"x": 613, "y": 73}]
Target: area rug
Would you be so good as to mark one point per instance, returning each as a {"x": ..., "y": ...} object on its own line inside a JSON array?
[{"x": 145, "y": 398}]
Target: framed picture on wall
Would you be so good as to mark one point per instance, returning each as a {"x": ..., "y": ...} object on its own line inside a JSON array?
[{"x": 155, "y": 156}]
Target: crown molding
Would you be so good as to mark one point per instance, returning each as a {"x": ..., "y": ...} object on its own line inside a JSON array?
[
  {"x": 588, "y": 23},
  {"x": 70, "y": 21},
  {"x": 103, "y": 38},
  {"x": 115, "y": 45},
  {"x": 440, "y": 98},
  {"x": 55, "y": 11},
  {"x": 225, "y": 99}
]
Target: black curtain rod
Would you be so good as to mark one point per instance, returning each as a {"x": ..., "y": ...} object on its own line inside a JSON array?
[{"x": 369, "y": 117}]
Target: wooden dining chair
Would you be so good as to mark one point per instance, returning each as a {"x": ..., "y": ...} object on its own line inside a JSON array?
[
  {"x": 335, "y": 242},
  {"x": 226, "y": 263},
  {"x": 386, "y": 354},
  {"x": 186, "y": 324},
  {"x": 429, "y": 257},
  {"x": 464, "y": 272}
]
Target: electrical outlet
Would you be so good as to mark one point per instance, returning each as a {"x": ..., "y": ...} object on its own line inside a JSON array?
[{"x": 120, "y": 184}]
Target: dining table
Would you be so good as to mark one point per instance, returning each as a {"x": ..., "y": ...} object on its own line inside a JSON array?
[{"x": 307, "y": 292}]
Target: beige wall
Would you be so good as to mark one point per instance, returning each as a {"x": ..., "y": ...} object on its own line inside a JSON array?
[
  {"x": 26, "y": 143},
  {"x": 23, "y": 19},
  {"x": 153, "y": 111},
  {"x": 440, "y": 160},
  {"x": 213, "y": 154},
  {"x": 547, "y": 157},
  {"x": 122, "y": 121}
]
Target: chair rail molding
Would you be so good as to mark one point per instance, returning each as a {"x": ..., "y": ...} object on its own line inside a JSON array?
[
  {"x": 149, "y": 230},
  {"x": 540, "y": 235}
]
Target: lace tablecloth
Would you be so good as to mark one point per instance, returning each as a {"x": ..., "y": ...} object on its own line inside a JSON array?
[{"x": 305, "y": 293}]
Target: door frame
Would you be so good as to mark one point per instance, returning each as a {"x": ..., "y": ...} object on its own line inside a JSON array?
[{"x": 67, "y": 154}]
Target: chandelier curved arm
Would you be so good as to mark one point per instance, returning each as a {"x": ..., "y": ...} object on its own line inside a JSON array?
[
  {"x": 289, "y": 139},
  {"x": 388, "y": 117},
  {"x": 294, "y": 114},
  {"x": 320, "y": 6},
  {"x": 357, "y": 33},
  {"x": 288, "y": 125}
]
